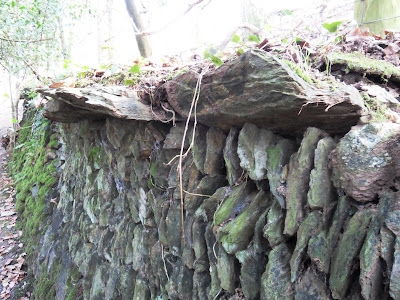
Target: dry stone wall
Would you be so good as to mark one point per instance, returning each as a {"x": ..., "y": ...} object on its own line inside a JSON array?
[{"x": 262, "y": 217}]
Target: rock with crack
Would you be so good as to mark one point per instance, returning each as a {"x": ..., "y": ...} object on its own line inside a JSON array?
[
  {"x": 71, "y": 105},
  {"x": 261, "y": 89}
]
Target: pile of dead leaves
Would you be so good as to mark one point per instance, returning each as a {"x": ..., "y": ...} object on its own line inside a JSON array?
[{"x": 11, "y": 258}]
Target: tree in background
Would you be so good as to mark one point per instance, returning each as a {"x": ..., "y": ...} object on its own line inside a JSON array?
[
  {"x": 378, "y": 15},
  {"x": 138, "y": 27},
  {"x": 31, "y": 40}
]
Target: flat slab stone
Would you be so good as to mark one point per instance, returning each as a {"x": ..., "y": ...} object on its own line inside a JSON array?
[
  {"x": 261, "y": 89},
  {"x": 71, "y": 105}
]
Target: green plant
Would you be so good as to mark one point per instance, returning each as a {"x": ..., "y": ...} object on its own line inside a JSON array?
[
  {"x": 244, "y": 44},
  {"x": 376, "y": 109},
  {"x": 332, "y": 27},
  {"x": 211, "y": 54}
]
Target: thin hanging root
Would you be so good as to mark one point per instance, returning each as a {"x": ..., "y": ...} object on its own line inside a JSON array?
[
  {"x": 182, "y": 155},
  {"x": 163, "y": 259},
  {"x": 200, "y": 195}
]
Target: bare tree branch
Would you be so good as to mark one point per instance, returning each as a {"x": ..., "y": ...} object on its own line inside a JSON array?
[
  {"x": 23, "y": 58},
  {"x": 25, "y": 41},
  {"x": 188, "y": 9}
]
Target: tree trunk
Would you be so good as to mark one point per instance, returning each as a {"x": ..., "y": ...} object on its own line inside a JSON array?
[
  {"x": 14, "y": 98},
  {"x": 137, "y": 23},
  {"x": 65, "y": 52},
  {"x": 378, "y": 15}
]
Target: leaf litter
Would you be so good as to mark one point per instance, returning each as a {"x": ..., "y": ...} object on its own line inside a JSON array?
[{"x": 12, "y": 257}]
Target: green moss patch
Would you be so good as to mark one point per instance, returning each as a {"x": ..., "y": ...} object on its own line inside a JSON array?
[
  {"x": 34, "y": 173},
  {"x": 45, "y": 285},
  {"x": 359, "y": 63}
]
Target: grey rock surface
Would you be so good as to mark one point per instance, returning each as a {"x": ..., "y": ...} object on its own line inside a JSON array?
[
  {"x": 367, "y": 159},
  {"x": 276, "y": 98}
]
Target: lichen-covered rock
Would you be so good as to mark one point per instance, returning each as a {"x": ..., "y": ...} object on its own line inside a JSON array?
[
  {"x": 261, "y": 89},
  {"x": 307, "y": 229},
  {"x": 395, "y": 274},
  {"x": 346, "y": 253},
  {"x": 141, "y": 289},
  {"x": 174, "y": 138},
  {"x": 236, "y": 234},
  {"x": 115, "y": 231},
  {"x": 226, "y": 267},
  {"x": 74, "y": 105},
  {"x": 201, "y": 285},
  {"x": 207, "y": 209},
  {"x": 252, "y": 267},
  {"x": 278, "y": 156},
  {"x": 231, "y": 158},
  {"x": 322, "y": 244},
  {"x": 321, "y": 191},
  {"x": 214, "y": 162},
  {"x": 310, "y": 287},
  {"x": 206, "y": 187},
  {"x": 252, "y": 150},
  {"x": 212, "y": 250},
  {"x": 199, "y": 148},
  {"x": 298, "y": 180},
  {"x": 371, "y": 269},
  {"x": 387, "y": 239},
  {"x": 273, "y": 229},
  {"x": 200, "y": 247},
  {"x": 367, "y": 159},
  {"x": 392, "y": 222},
  {"x": 239, "y": 197},
  {"x": 275, "y": 282},
  {"x": 259, "y": 242}
]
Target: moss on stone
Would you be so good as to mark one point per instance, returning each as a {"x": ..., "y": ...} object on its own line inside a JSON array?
[
  {"x": 96, "y": 156},
  {"x": 34, "y": 174},
  {"x": 357, "y": 62},
  {"x": 72, "y": 294},
  {"x": 72, "y": 284},
  {"x": 45, "y": 284},
  {"x": 299, "y": 71},
  {"x": 377, "y": 110},
  {"x": 225, "y": 209}
]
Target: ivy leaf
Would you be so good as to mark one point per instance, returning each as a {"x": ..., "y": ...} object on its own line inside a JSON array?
[
  {"x": 13, "y": 3},
  {"x": 135, "y": 69},
  {"x": 253, "y": 38},
  {"x": 14, "y": 120},
  {"x": 338, "y": 39},
  {"x": 284, "y": 41},
  {"x": 128, "y": 82},
  {"x": 216, "y": 60},
  {"x": 240, "y": 51},
  {"x": 332, "y": 27},
  {"x": 286, "y": 12},
  {"x": 236, "y": 38}
]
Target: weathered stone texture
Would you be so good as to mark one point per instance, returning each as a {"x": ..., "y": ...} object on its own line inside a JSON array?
[
  {"x": 367, "y": 159},
  {"x": 300, "y": 166},
  {"x": 276, "y": 98},
  {"x": 261, "y": 217}
]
